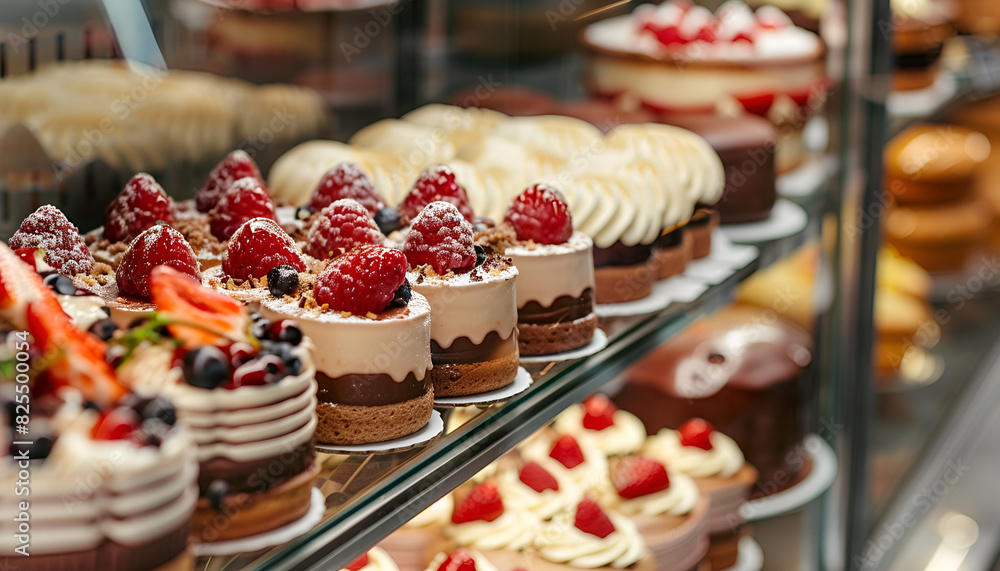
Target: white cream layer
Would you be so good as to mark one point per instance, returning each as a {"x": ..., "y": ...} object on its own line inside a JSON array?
[
  {"x": 561, "y": 542},
  {"x": 546, "y": 272},
  {"x": 515, "y": 530},
  {"x": 723, "y": 460},
  {"x": 625, "y": 436}
]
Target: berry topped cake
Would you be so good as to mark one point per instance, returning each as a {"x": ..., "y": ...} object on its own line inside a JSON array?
[
  {"x": 544, "y": 492},
  {"x": 341, "y": 226},
  {"x": 437, "y": 183},
  {"x": 610, "y": 429},
  {"x": 555, "y": 272},
  {"x": 237, "y": 165},
  {"x": 486, "y": 520},
  {"x": 373, "y": 339},
  {"x": 473, "y": 302},
  {"x": 578, "y": 458},
  {"x": 47, "y": 228},
  {"x": 588, "y": 537},
  {"x": 139, "y": 206}
]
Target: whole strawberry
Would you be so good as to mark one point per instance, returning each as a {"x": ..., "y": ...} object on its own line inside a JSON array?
[
  {"x": 436, "y": 183},
  {"x": 347, "y": 180},
  {"x": 245, "y": 199},
  {"x": 48, "y": 228},
  {"x": 235, "y": 166},
  {"x": 140, "y": 205},
  {"x": 340, "y": 227},
  {"x": 540, "y": 214},
  {"x": 362, "y": 281},
  {"x": 442, "y": 238},
  {"x": 159, "y": 245},
  {"x": 256, "y": 247}
]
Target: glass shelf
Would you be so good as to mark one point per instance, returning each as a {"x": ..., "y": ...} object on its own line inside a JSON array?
[{"x": 370, "y": 495}]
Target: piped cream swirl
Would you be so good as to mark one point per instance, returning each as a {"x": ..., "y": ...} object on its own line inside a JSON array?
[
  {"x": 561, "y": 542},
  {"x": 625, "y": 436},
  {"x": 515, "y": 530},
  {"x": 723, "y": 460},
  {"x": 680, "y": 497}
]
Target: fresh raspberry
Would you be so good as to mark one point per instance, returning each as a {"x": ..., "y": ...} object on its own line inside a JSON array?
[
  {"x": 567, "y": 452},
  {"x": 540, "y": 214},
  {"x": 235, "y": 166},
  {"x": 482, "y": 504},
  {"x": 697, "y": 432},
  {"x": 637, "y": 476},
  {"x": 139, "y": 206},
  {"x": 48, "y": 228},
  {"x": 361, "y": 281},
  {"x": 435, "y": 183},
  {"x": 598, "y": 412},
  {"x": 590, "y": 518},
  {"x": 358, "y": 563},
  {"x": 340, "y": 227},
  {"x": 245, "y": 199},
  {"x": 347, "y": 180},
  {"x": 459, "y": 560},
  {"x": 160, "y": 245},
  {"x": 256, "y": 247},
  {"x": 537, "y": 478},
  {"x": 442, "y": 238}
]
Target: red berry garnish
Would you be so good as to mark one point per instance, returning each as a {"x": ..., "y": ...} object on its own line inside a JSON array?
[
  {"x": 706, "y": 34},
  {"x": 118, "y": 424},
  {"x": 482, "y": 504},
  {"x": 347, "y": 180},
  {"x": 235, "y": 166},
  {"x": 537, "y": 478},
  {"x": 757, "y": 104},
  {"x": 540, "y": 214},
  {"x": 590, "y": 518},
  {"x": 697, "y": 432},
  {"x": 361, "y": 281},
  {"x": 598, "y": 412},
  {"x": 670, "y": 35},
  {"x": 459, "y": 560},
  {"x": 340, "y": 227},
  {"x": 160, "y": 245},
  {"x": 442, "y": 238},
  {"x": 256, "y": 247},
  {"x": 358, "y": 563},
  {"x": 184, "y": 298},
  {"x": 140, "y": 205},
  {"x": 566, "y": 450},
  {"x": 437, "y": 183},
  {"x": 49, "y": 229},
  {"x": 245, "y": 199},
  {"x": 637, "y": 476}
]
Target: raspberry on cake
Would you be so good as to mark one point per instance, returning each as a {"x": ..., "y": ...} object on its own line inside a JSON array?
[
  {"x": 555, "y": 272},
  {"x": 437, "y": 183},
  {"x": 140, "y": 205},
  {"x": 235, "y": 166},
  {"x": 346, "y": 180},
  {"x": 159, "y": 245},
  {"x": 256, "y": 247},
  {"x": 610, "y": 429},
  {"x": 373, "y": 338},
  {"x": 244, "y": 200},
  {"x": 341, "y": 226},
  {"x": 47, "y": 228},
  {"x": 473, "y": 301}
]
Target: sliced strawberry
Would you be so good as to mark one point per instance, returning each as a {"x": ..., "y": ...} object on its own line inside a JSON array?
[
  {"x": 220, "y": 318},
  {"x": 258, "y": 246},
  {"x": 245, "y": 199},
  {"x": 235, "y": 166},
  {"x": 47, "y": 228},
  {"x": 537, "y": 478},
  {"x": 697, "y": 432},
  {"x": 358, "y": 563},
  {"x": 441, "y": 238},
  {"x": 566, "y": 450},
  {"x": 637, "y": 476},
  {"x": 157, "y": 246},
  {"x": 140, "y": 205},
  {"x": 482, "y": 504},
  {"x": 540, "y": 214},
  {"x": 459, "y": 560},
  {"x": 435, "y": 184},
  {"x": 361, "y": 281},
  {"x": 590, "y": 518},
  {"x": 347, "y": 180},
  {"x": 598, "y": 412}
]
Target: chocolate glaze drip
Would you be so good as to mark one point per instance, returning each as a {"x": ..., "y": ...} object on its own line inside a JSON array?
[
  {"x": 370, "y": 390},
  {"x": 110, "y": 555},
  {"x": 463, "y": 351},
  {"x": 670, "y": 239},
  {"x": 619, "y": 254},
  {"x": 564, "y": 308},
  {"x": 257, "y": 475}
]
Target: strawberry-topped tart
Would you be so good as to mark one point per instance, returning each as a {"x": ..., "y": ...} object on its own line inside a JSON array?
[
  {"x": 576, "y": 457},
  {"x": 138, "y": 207},
  {"x": 544, "y": 491},
  {"x": 473, "y": 302},
  {"x": 137, "y": 462},
  {"x": 486, "y": 520},
  {"x": 461, "y": 559},
  {"x": 589, "y": 537},
  {"x": 245, "y": 388},
  {"x": 373, "y": 339},
  {"x": 665, "y": 506},
  {"x": 717, "y": 466},
  {"x": 610, "y": 429},
  {"x": 555, "y": 272}
]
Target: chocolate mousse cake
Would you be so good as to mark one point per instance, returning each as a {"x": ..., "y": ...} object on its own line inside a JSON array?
[
  {"x": 472, "y": 300},
  {"x": 742, "y": 373}
]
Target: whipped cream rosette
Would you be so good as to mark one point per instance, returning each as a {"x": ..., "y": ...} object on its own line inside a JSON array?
[
  {"x": 599, "y": 421},
  {"x": 461, "y": 559},
  {"x": 539, "y": 488},
  {"x": 588, "y": 537},
  {"x": 578, "y": 458}
]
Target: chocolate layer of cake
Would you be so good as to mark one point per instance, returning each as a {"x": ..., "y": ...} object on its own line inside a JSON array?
[
  {"x": 619, "y": 254},
  {"x": 564, "y": 308},
  {"x": 463, "y": 351},
  {"x": 369, "y": 390},
  {"x": 257, "y": 475}
]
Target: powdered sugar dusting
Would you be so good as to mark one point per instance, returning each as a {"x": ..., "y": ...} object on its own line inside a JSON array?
[{"x": 49, "y": 229}]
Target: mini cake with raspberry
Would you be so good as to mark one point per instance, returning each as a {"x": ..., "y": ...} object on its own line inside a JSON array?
[
  {"x": 486, "y": 520},
  {"x": 555, "y": 273},
  {"x": 589, "y": 537},
  {"x": 341, "y": 226},
  {"x": 461, "y": 559},
  {"x": 247, "y": 392},
  {"x": 599, "y": 421},
  {"x": 473, "y": 302},
  {"x": 237, "y": 165},
  {"x": 373, "y": 339},
  {"x": 540, "y": 490},
  {"x": 668, "y": 510},
  {"x": 139, "y": 206},
  {"x": 260, "y": 254},
  {"x": 437, "y": 183},
  {"x": 715, "y": 462},
  {"x": 47, "y": 228},
  {"x": 578, "y": 458}
]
